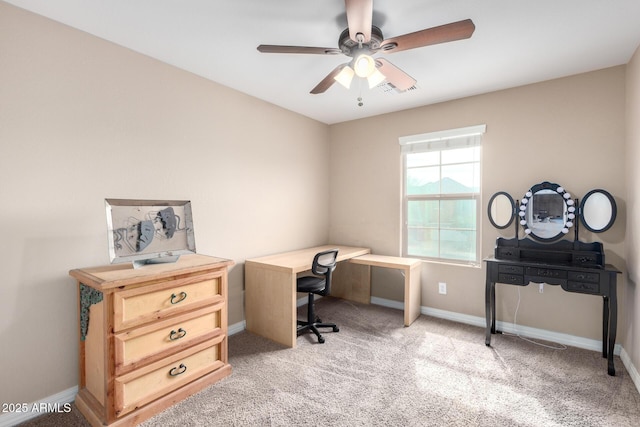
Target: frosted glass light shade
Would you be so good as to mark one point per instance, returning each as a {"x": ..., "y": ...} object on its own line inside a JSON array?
[
  {"x": 345, "y": 76},
  {"x": 364, "y": 66}
]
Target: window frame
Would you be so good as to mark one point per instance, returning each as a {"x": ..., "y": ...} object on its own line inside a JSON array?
[{"x": 440, "y": 141}]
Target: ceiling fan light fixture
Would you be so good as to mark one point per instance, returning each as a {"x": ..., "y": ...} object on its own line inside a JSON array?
[
  {"x": 364, "y": 65},
  {"x": 345, "y": 76},
  {"x": 375, "y": 78}
]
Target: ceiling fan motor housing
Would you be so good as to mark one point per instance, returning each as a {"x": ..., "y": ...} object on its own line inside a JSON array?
[{"x": 349, "y": 47}]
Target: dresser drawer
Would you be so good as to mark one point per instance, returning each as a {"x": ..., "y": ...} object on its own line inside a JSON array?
[
  {"x": 157, "y": 301},
  {"x": 149, "y": 343},
  {"x": 153, "y": 381}
]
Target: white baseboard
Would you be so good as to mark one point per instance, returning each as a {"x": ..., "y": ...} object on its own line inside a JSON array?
[
  {"x": 236, "y": 328},
  {"x": 59, "y": 402},
  {"x": 535, "y": 333},
  {"x": 633, "y": 372}
]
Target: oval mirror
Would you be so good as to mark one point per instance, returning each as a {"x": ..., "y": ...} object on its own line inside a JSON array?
[
  {"x": 598, "y": 211},
  {"x": 501, "y": 210},
  {"x": 547, "y": 211}
]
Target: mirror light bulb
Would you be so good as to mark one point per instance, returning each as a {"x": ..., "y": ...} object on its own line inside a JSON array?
[
  {"x": 521, "y": 213},
  {"x": 571, "y": 209},
  {"x": 565, "y": 230},
  {"x": 570, "y": 202},
  {"x": 527, "y": 231},
  {"x": 571, "y": 216},
  {"x": 567, "y": 195},
  {"x": 523, "y": 222},
  {"x": 529, "y": 194},
  {"x": 525, "y": 201},
  {"x": 560, "y": 189},
  {"x": 569, "y": 224}
]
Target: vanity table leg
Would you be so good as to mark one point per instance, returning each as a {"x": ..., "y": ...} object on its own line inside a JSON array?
[
  {"x": 613, "y": 325},
  {"x": 490, "y": 305},
  {"x": 605, "y": 325}
]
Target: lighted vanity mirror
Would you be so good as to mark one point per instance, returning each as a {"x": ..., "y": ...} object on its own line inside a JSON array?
[
  {"x": 598, "y": 211},
  {"x": 501, "y": 210},
  {"x": 546, "y": 211}
]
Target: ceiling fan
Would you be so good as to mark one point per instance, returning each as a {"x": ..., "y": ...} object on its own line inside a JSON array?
[{"x": 361, "y": 40}]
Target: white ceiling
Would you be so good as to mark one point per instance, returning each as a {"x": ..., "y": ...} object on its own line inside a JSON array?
[{"x": 516, "y": 42}]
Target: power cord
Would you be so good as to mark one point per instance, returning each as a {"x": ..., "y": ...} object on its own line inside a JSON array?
[{"x": 515, "y": 325}]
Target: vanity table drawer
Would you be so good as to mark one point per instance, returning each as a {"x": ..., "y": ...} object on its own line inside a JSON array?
[
  {"x": 144, "y": 385},
  {"x": 511, "y": 279},
  {"x": 546, "y": 272},
  {"x": 149, "y": 343},
  {"x": 583, "y": 287},
  {"x": 157, "y": 301},
  {"x": 545, "y": 275},
  {"x": 580, "y": 276},
  {"x": 510, "y": 269}
]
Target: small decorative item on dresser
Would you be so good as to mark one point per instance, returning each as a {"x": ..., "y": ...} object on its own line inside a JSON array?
[{"x": 149, "y": 231}]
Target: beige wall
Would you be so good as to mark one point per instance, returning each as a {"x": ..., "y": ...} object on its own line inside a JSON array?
[
  {"x": 632, "y": 300},
  {"x": 569, "y": 131},
  {"x": 81, "y": 120}
]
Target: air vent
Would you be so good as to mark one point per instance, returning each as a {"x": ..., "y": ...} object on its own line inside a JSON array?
[{"x": 386, "y": 87}]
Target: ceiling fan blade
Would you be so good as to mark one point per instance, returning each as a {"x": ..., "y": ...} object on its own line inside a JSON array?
[
  {"x": 270, "y": 48},
  {"x": 327, "y": 81},
  {"x": 398, "y": 78},
  {"x": 359, "y": 18},
  {"x": 442, "y": 34}
]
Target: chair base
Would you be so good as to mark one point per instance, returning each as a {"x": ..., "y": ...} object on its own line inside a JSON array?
[
  {"x": 313, "y": 327},
  {"x": 313, "y": 322}
]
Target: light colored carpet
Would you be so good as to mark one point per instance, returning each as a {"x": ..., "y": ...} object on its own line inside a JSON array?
[{"x": 375, "y": 372}]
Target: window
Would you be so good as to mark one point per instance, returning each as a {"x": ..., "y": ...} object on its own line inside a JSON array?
[{"x": 441, "y": 195}]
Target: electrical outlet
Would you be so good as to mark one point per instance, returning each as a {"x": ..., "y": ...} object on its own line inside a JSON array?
[
  {"x": 442, "y": 288},
  {"x": 541, "y": 288}
]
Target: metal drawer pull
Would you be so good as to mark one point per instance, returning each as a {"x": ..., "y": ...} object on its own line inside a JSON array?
[
  {"x": 182, "y": 295},
  {"x": 173, "y": 335},
  {"x": 174, "y": 372}
]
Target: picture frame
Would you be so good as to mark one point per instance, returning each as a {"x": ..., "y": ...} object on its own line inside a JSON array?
[{"x": 149, "y": 231}]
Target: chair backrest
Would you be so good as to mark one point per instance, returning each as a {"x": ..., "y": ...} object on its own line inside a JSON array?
[{"x": 323, "y": 265}]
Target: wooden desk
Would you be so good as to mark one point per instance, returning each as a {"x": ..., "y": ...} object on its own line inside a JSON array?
[
  {"x": 411, "y": 268},
  {"x": 270, "y": 288},
  {"x": 584, "y": 280}
]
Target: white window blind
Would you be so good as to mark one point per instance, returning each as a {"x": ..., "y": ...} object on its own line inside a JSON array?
[{"x": 441, "y": 194}]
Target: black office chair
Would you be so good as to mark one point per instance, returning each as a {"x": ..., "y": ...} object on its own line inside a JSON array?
[{"x": 323, "y": 265}]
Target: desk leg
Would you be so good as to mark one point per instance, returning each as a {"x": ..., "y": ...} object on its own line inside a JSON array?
[
  {"x": 352, "y": 282},
  {"x": 613, "y": 325},
  {"x": 412, "y": 294},
  {"x": 270, "y": 304}
]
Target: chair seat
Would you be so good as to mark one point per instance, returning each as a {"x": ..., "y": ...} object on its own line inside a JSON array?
[{"x": 310, "y": 284}]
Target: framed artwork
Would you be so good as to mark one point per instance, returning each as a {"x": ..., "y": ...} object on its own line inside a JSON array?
[{"x": 149, "y": 231}]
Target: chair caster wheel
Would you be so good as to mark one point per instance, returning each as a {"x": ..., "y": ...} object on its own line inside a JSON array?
[
  {"x": 336, "y": 329},
  {"x": 321, "y": 340}
]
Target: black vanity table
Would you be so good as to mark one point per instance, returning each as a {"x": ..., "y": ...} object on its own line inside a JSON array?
[
  {"x": 571, "y": 278},
  {"x": 547, "y": 212}
]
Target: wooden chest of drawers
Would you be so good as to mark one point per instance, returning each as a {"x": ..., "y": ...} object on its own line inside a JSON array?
[{"x": 149, "y": 337}]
